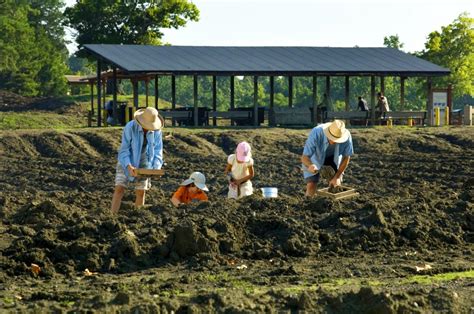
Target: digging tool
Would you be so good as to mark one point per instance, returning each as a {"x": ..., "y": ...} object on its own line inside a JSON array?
[{"x": 150, "y": 172}]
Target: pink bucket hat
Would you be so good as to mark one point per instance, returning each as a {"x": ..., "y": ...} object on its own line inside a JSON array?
[{"x": 243, "y": 152}]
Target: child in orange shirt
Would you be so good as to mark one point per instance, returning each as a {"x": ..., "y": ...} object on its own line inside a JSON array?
[{"x": 191, "y": 189}]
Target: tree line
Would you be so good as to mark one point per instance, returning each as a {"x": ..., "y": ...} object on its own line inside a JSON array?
[{"x": 34, "y": 58}]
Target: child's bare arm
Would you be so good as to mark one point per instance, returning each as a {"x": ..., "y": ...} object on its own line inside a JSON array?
[
  {"x": 175, "y": 201},
  {"x": 228, "y": 169}
]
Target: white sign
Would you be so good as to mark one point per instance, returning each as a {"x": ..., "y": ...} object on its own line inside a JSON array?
[{"x": 440, "y": 99}]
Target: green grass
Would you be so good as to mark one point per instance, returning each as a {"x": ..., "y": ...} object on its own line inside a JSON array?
[
  {"x": 430, "y": 279},
  {"x": 85, "y": 100},
  {"x": 40, "y": 120}
]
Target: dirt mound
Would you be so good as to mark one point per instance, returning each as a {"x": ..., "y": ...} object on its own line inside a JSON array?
[
  {"x": 415, "y": 205},
  {"x": 10, "y": 101}
]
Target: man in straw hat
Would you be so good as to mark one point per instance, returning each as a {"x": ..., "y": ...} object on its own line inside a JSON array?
[
  {"x": 328, "y": 144},
  {"x": 142, "y": 147}
]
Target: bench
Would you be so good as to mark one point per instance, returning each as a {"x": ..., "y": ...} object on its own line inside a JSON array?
[
  {"x": 181, "y": 117},
  {"x": 354, "y": 117},
  {"x": 290, "y": 116},
  {"x": 406, "y": 115},
  {"x": 347, "y": 115}
]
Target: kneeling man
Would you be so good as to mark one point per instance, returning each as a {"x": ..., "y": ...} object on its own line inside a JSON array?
[{"x": 327, "y": 144}]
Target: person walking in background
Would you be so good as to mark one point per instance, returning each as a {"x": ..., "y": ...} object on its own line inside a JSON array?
[
  {"x": 239, "y": 171},
  {"x": 141, "y": 147},
  {"x": 328, "y": 144},
  {"x": 191, "y": 189},
  {"x": 382, "y": 105},
  {"x": 363, "y": 106},
  {"x": 325, "y": 106}
]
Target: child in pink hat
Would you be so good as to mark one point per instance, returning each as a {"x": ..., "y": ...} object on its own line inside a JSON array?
[{"x": 239, "y": 170}]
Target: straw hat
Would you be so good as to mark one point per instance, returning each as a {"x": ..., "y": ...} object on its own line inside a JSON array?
[
  {"x": 198, "y": 179},
  {"x": 149, "y": 118},
  {"x": 336, "y": 131}
]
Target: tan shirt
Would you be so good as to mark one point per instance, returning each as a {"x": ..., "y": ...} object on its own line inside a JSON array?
[{"x": 239, "y": 170}]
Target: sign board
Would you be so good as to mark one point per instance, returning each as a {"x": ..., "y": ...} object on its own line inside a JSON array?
[
  {"x": 440, "y": 99},
  {"x": 440, "y": 106}
]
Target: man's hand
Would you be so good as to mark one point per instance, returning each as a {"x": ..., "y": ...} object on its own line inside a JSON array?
[
  {"x": 132, "y": 170},
  {"x": 335, "y": 182},
  {"x": 312, "y": 168}
]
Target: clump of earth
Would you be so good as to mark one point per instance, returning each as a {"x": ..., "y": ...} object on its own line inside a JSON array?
[{"x": 256, "y": 254}]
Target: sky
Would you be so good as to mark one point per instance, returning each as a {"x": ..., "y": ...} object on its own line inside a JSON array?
[{"x": 335, "y": 23}]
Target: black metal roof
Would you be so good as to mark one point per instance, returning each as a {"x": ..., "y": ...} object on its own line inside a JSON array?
[{"x": 264, "y": 60}]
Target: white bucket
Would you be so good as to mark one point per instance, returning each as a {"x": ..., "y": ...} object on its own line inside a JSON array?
[{"x": 269, "y": 192}]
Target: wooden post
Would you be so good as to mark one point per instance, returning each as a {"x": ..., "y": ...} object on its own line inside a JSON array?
[
  {"x": 91, "y": 83},
  {"x": 271, "y": 116},
  {"x": 135, "y": 93},
  {"x": 195, "y": 96},
  {"x": 346, "y": 98},
  {"x": 214, "y": 98},
  {"x": 173, "y": 95},
  {"x": 255, "y": 100},
  {"x": 372, "y": 99},
  {"x": 99, "y": 96},
  {"x": 147, "y": 82},
  {"x": 429, "y": 104},
  {"x": 328, "y": 86},
  {"x": 290, "y": 91},
  {"x": 450, "y": 103},
  {"x": 156, "y": 92},
  {"x": 232, "y": 98},
  {"x": 402, "y": 93},
  {"x": 114, "y": 86},
  {"x": 104, "y": 91},
  {"x": 382, "y": 84},
  {"x": 314, "y": 118}
]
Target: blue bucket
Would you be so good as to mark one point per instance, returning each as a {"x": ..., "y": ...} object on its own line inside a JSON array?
[{"x": 269, "y": 192}]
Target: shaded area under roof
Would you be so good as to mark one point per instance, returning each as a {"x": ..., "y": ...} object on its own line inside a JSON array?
[{"x": 204, "y": 60}]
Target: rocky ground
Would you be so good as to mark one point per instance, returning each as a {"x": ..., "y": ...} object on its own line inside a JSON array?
[{"x": 405, "y": 244}]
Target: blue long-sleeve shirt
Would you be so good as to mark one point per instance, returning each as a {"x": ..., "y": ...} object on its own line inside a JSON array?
[
  {"x": 316, "y": 146},
  {"x": 131, "y": 148}
]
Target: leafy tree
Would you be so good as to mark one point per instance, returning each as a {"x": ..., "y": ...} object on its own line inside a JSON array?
[
  {"x": 453, "y": 48},
  {"x": 32, "y": 50},
  {"x": 127, "y": 22},
  {"x": 393, "y": 41}
]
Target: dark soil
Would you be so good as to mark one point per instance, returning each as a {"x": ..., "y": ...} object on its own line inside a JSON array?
[
  {"x": 13, "y": 102},
  {"x": 253, "y": 255}
]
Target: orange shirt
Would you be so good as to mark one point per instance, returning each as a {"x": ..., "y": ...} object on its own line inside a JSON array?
[{"x": 185, "y": 196}]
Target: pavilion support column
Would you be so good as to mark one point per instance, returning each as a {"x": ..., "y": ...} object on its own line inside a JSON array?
[
  {"x": 450, "y": 103},
  {"x": 402, "y": 93},
  {"x": 147, "y": 83},
  {"x": 214, "y": 98},
  {"x": 232, "y": 95},
  {"x": 92, "y": 97},
  {"x": 173, "y": 95},
  {"x": 382, "y": 84},
  {"x": 255, "y": 100},
  {"x": 195, "y": 97},
  {"x": 114, "y": 86},
  {"x": 429, "y": 104},
  {"x": 314, "y": 118},
  {"x": 135, "y": 93},
  {"x": 328, "y": 86},
  {"x": 99, "y": 96},
  {"x": 104, "y": 90},
  {"x": 290, "y": 91},
  {"x": 346, "y": 94},
  {"x": 372, "y": 99},
  {"x": 271, "y": 116},
  {"x": 156, "y": 92}
]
